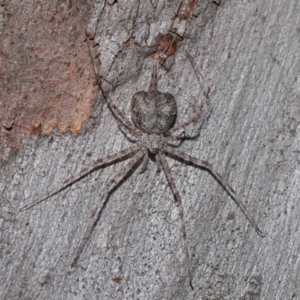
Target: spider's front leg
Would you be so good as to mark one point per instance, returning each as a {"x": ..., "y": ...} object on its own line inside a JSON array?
[
  {"x": 117, "y": 179},
  {"x": 178, "y": 155},
  {"x": 163, "y": 162},
  {"x": 99, "y": 163}
]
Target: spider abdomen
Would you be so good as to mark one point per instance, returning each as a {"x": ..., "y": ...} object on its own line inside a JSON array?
[{"x": 153, "y": 111}]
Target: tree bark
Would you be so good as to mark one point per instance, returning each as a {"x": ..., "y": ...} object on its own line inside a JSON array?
[{"x": 249, "y": 54}]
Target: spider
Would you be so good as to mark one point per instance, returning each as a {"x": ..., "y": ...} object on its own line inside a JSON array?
[{"x": 153, "y": 134}]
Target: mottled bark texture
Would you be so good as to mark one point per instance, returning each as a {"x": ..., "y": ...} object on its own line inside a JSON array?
[
  {"x": 46, "y": 78},
  {"x": 249, "y": 53}
]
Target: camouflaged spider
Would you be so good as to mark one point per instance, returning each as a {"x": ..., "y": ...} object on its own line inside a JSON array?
[{"x": 153, "y": 114}]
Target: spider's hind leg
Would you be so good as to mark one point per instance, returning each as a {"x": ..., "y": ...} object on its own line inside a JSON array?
[
  {"x": 198, "y": 71},
  {"x": 114, "y": 109},
  {"x": 197, "y": 108}
]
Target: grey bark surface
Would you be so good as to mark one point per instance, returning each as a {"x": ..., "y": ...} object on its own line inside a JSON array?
[{"x": 249, "y": 53}]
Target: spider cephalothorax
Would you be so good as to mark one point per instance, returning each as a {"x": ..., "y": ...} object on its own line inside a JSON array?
[{"x": 153, "y": 113}]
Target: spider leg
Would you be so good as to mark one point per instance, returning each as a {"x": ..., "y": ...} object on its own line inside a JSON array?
[
  {"x": 118, "y": 114},
  {"x": 205, "y": 165},
  {"x": 175, "y": 140},
  {"x": 103, "y": 162},
  {"x": 194, "y": 119},
  {"x": 131, "y": 136},
  {"x": 115, "y": 110},
  {"x": 162, "y": 160},
  {"x": 197, "y": 69},
  {"x": 198, "y": 109},
  {"x": 145, "y": 161},
  {"x": 117, "y": 179}
]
